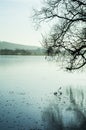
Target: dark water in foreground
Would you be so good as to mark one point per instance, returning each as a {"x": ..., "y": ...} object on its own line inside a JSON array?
[{"x": 37, "y": 95}]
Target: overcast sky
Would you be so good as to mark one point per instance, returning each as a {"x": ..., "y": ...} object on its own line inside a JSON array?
[{"x": 15, "y": 23}]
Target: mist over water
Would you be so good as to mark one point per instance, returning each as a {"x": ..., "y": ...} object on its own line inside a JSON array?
[{"x": 37, "y": 94}]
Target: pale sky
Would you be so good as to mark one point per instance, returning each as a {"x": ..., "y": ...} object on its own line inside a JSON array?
[{"x": 15, "y": 22}]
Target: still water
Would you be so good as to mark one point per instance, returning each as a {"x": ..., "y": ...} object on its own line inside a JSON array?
[{"x": 36, "y": 94}]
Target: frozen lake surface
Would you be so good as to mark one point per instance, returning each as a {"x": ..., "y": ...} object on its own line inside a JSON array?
[{"x": 33, "y": 91}]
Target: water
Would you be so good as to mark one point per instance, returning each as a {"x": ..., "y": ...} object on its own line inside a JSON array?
[{"x": 33, "y": 91}]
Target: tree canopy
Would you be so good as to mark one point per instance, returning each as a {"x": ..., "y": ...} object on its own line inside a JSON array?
[{"x": 67, "y": 37}]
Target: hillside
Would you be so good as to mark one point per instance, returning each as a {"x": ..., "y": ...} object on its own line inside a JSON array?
[
  {"x": 13, "y": 46},
  {"x": 7, "y": 48}
]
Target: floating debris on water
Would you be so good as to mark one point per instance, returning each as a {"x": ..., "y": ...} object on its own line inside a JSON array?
[{"x": 55, "y": 93}]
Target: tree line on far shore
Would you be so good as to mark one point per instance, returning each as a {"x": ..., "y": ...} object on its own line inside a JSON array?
[{"x": 21, "y": 52}]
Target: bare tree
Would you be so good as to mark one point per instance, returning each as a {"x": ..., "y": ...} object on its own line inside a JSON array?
[{"x": 68, "y": 35}]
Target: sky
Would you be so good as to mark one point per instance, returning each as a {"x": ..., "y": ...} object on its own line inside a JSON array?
[{"x": 16, "y": 24}]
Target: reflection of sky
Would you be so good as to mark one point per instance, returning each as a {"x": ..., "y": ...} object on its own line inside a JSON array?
[
  {"x": 15, "y": 22},
  {"x": 27, "y": 86}
]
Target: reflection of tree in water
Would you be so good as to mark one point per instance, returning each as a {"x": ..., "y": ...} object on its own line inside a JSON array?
[{"x": 66, "y": 112}]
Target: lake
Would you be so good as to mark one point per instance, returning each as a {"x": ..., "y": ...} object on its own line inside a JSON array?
[{"x": 36, "y": 94}]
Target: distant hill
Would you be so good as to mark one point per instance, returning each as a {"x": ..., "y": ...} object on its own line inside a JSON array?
[
  {"x": 13, "y": 46},
  {"x": 17, "y": 49}
]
